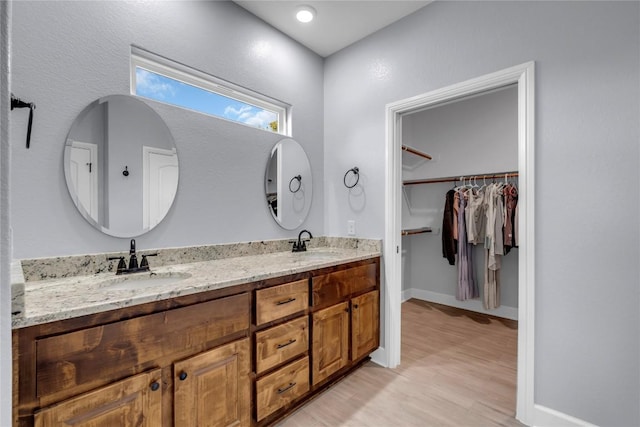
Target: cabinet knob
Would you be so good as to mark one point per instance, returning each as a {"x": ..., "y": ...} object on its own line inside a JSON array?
[
  {"x": 182, "y": 376},
  {"x": 355, "y": 306},
  {"x": 155, "y": 386}
]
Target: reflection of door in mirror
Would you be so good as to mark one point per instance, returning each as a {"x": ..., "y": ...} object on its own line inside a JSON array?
[
  {"x": 272, "y": 183},
  {"x": 84, "y": 176},
  {"x": 288, "y": 184},
  {"x": 160, "y": 183}
]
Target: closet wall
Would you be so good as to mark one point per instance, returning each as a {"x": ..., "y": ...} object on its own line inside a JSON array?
[{"x": 474, "y": 136}]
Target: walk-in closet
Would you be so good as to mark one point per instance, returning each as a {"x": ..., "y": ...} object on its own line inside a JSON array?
[{"x": 467, "y": 145}]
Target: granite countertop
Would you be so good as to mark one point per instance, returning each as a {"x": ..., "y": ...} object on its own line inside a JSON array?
[{"x": 65, "y": 298}]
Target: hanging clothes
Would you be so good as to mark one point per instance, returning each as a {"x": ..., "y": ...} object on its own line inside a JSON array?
[
  {"x": 494, "y": 247},
  {"x": 486, "y": 216},
  {"x": 476, "y": 218},
  {"x": 449, "y": 244},
  {"x": 467, "y": 286},
  {"x": 510, "y": 193}
]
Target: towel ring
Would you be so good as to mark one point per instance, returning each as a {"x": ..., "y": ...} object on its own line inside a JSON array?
[
  {"x": 299, "y": 179},
  {"x": 356, "y": 173}
]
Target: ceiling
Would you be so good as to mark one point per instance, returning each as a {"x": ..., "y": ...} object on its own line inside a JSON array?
[{"x": 338, "y": 23}]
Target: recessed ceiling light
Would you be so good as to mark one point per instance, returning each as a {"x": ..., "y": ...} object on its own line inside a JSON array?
[{"x": 305, "y": 14}]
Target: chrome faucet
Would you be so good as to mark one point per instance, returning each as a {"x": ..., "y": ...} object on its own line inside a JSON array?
[
  {"x": 300, "y": 245},
  {"x": 133, "y": 261}
]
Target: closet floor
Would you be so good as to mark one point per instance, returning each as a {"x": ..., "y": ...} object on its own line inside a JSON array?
[{"x": 458, "y": 369}]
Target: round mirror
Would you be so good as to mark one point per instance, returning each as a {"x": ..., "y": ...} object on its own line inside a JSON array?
[
  {"x": 121, "y": 166},
  {"x": 288, "y": 184}
]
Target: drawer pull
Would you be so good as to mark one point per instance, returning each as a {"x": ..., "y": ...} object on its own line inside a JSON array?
[
  {"x": 182, "y": 376},
  {"x": 287, "y": 388},
  {"x": 155, "y": 386},
  {"x": 291, "y": 341},
  {"x": 286, "y": 301}
]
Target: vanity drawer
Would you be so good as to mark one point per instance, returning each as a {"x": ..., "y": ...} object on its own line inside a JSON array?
[
  {"x": 81, "y": 360},
  {"x": 281, "y": 387},
  {"x": 281, "y": 301},
  {"x": 281, "y": 343},
  {"x": 332, "y": 288}
]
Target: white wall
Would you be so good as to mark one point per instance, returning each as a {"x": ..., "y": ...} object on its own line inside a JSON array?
[
  {"x": 6, "y": 376},
  {"x": 587, "y": 162},
  {"x": 67, "y": 54}
]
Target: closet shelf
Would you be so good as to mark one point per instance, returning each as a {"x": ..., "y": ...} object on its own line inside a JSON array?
[
  {"x": 416, "y": 152},
  {"x": 412, "y": 231}
]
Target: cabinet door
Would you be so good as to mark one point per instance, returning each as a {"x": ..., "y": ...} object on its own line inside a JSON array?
[
  {"x": 135, "y": 401},
  {"x": 330, "y": 341},
  {"x": 365, "y": 324},
  {"x": 213, "y": 388}
]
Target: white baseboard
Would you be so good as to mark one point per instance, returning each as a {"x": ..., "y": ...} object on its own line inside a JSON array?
[
  {"x": 471, "y": 305},
  {"x": 547, "y": 417},
  {"x": 380, "y": 357}
]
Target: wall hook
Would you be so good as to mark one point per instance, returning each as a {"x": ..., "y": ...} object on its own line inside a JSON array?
[
  {"x": 125, "y": 172},
  {"x": 356, "y": 172},
  {"x": 18, "y": 103},
  {"x": 299, "y": 179}
]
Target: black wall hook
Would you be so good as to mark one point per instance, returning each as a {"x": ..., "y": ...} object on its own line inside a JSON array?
[
  {"x": 125, "y": 172},
  {"x": 18, "y": 103}
]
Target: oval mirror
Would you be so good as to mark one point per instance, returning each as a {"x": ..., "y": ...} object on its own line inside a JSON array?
[
  {"x": 121, "y": 166},
  {"x": 288, "y": 184}
]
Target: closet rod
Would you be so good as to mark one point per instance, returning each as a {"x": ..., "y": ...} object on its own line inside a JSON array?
[
  {"x": 458, "y": 178},
  {"x": 416, "y": 152}
]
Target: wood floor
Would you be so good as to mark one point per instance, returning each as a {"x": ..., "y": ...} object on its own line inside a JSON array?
[{"x": 458, "y": 369}]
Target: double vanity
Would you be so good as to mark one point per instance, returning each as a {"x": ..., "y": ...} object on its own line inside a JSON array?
[
  {"x": 241, "y": 336},
  {"x": 223, "y": 335}
]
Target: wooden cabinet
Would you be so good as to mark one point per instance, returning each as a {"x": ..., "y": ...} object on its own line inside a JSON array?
[
  {"x": 134, "y": 402},
  {"x": 213, "y": 388},
  {"x": 73, "y": 362},
  {"x": 282, "y": 362},
  {"x": 188, "y": 364},
  {"x": 346, "y": 325},
  {"x": 330, "y": 341},
  {"x": 365, "y": 324},
  {"x": 244, "y": 356}
]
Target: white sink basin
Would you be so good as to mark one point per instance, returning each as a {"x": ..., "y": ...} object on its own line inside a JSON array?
[
  {"x": 314, "y": 256},
  {"x": 143, "y": 280}
]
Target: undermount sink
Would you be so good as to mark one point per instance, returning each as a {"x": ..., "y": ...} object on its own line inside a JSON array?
[
  {"x": 143, "y": 280},
  {"x": 315, "y": 255}
]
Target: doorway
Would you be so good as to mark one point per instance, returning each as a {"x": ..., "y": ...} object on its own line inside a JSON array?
[{"x": 523, "y": 76}]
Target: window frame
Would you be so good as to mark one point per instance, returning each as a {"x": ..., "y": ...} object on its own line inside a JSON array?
[{"x": 156, "y": 64}]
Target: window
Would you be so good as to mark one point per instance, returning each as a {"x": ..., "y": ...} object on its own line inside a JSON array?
[{"x": 163, "y": 80}]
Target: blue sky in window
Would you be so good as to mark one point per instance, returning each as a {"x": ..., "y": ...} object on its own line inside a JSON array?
[{"x": 170, "y": 91}]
